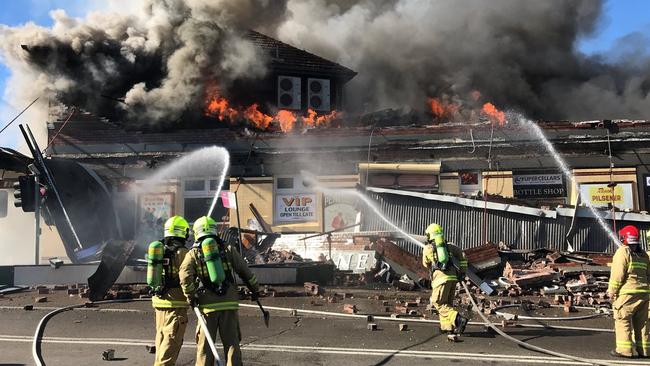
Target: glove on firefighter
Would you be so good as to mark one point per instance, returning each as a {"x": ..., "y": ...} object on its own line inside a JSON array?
[
  {"x": 255, "y": 295},
  {"x": 193, "y": 301}
]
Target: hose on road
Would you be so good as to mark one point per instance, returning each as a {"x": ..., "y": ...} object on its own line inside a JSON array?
[
  {"x": 36, "y": 344},
  {"x": 543, "y": 318},
  {"x": 529, "y": 346},
  {"x": 40, "y": 328}
]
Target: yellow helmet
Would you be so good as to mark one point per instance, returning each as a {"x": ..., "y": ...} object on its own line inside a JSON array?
[
  {"x": 434, "y": 233},
  {"x": 204, "y": 226},
  {"x": 176, "y": 226}
]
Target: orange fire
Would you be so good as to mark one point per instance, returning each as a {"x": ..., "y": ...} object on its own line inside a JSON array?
[
  {"x": 218, "y": 107},
  {"x": 494, "y": 114},
  {"x": 441, "y": 108},
  {"x": 287, "y": 120},
  {"x": 259, "y": 119},
  {"x": 312, "y": 119}
]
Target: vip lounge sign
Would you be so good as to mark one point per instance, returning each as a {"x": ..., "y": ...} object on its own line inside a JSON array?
[
  {"x": 528, "y": 184},
  {"x": 296, "y": 207}
]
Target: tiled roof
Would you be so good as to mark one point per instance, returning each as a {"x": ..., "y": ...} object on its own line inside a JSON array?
[{"x": 284, "y": 57}]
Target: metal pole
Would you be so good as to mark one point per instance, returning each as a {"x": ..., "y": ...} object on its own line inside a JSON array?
[
  {"x": 329, "y": 242},
  {"x": 238, "y": 223},
  {"x": 37, "y": 221}
]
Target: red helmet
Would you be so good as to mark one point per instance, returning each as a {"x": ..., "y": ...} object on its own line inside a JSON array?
[{"x": 629, "y": 235}]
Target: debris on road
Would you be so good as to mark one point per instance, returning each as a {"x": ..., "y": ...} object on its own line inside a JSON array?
[{"x": 108, "y": 355}]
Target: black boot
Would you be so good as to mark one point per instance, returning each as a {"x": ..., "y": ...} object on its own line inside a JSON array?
[
  {"x": 460, "y": 324},
  {"x": 616, "y": 354}
]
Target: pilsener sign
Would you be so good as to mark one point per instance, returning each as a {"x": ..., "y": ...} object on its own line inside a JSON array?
[{"x": 527, "y": 184}]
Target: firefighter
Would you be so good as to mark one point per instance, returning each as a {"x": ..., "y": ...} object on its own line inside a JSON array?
[
  {"x": 628, "y": 287},
  {"x": 207, "y": 279},
  {"x": 448, "y": 264},
  {"x": 164, "y": 260}
]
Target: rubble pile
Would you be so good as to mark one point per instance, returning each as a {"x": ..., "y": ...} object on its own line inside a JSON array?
[{"x": 277, "y": 256}]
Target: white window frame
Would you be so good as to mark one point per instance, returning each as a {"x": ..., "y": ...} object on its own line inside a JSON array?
[{"x": 204, "y": 193}]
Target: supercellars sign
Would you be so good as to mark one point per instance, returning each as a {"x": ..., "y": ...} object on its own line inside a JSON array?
[{"x": 527, "y": 184}]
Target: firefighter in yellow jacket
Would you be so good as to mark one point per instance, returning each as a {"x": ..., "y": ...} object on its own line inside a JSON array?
[
  {"x": 448, "y": 264},
  {"x": 629, "y": 288},
  {"x": 207, "y": 279},
  {"x": 164, "y": 260}
]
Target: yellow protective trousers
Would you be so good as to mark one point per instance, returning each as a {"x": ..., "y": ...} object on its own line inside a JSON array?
[
  {"x": 630, "y": 319},
  {"x": 170, "y": 329},
  {"x": 227, "y": 323},
  {"x": 442, "y": 298}
]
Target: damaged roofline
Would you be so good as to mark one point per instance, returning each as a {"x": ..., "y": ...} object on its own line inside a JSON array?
[
  {"x": 468, "y": 202},
  {"x": 562, "y": 211}
]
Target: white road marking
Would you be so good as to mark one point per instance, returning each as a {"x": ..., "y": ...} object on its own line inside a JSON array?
[{"x": 505, "y": 358}]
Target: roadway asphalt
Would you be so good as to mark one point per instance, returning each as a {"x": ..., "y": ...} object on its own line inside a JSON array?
[{"x": 78, "y": 337}]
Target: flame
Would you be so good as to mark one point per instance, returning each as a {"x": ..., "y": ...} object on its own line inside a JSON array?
[
  {"x": 287, "y": 120},
  {"x": 259, "y": 119},
  {"x": 218, "y": 107},
  {"x": 441, "y": 108},
  {"x": 494, "y": 114},
  {"x": 312, "y": 119}
]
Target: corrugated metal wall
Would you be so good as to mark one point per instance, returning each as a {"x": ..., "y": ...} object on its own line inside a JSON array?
[{"x": 464, "y": 225}]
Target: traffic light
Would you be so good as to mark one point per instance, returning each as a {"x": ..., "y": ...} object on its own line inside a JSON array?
[{"x": 24, "y": 192}]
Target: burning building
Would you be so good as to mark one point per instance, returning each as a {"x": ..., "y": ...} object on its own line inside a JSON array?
[{"x": 426, "y": 121}]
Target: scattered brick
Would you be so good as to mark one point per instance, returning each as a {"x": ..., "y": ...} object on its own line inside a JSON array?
[
  {"x": 40, "y": 299},
  {"x": 43, "y": 290},
  {"x": 403, "y": 327},
  {"x": 28, "y": 307},
  {"x": 350, "y": 309},
  {"x": 108, "y": 355},
  {"x": 73, "y": 291},
  {"x": 372, "y": 326},
  {"x": 312, "y": 289}
]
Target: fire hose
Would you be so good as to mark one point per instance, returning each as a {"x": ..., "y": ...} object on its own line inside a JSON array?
[
  {"x": 36, "y": 343},
  {"x": 545, "y": 318},
  {"x": 40, "y": 328},
  {"x": 531, "y": 347}
]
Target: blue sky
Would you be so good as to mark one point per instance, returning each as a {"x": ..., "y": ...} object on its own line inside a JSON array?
[{"x": 621, "y": 17}]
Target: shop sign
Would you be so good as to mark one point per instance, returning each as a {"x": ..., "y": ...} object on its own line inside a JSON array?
[
  {"x": 600, "y": 195},
  {"x": 340, "y": 211},
  {"x": 297, "y": 207},
  {"x": 538, "y": 185},
  {"x": 154, "y": 209}
]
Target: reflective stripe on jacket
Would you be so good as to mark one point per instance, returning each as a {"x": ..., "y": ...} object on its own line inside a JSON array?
[{"x": 629, "y": 274}]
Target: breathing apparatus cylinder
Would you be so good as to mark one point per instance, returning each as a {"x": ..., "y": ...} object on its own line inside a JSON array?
[
  {"x": 213, "y": 262},
  {"x": 435, "y": 236},
  {"x": 155, "y": 255},
  {"x": 441, "y": 251}
]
